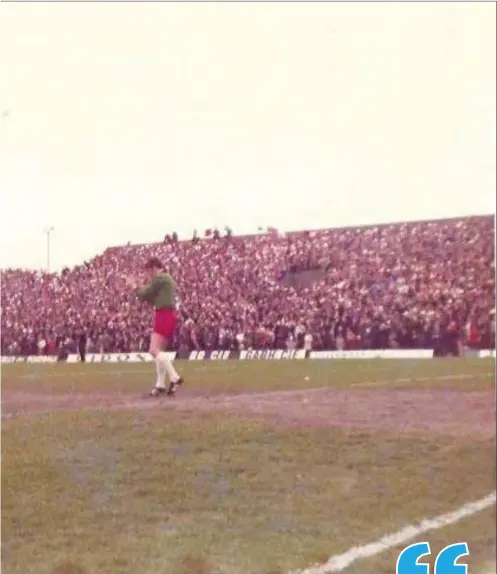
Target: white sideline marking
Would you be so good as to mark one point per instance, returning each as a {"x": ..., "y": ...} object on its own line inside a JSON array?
[{"x": 339, "y": 562}]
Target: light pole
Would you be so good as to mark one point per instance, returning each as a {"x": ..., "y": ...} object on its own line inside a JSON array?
[{"x": 48, "y": 232}]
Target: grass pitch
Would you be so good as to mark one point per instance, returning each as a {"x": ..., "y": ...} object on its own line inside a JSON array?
[{"x": 255, "y": 468}]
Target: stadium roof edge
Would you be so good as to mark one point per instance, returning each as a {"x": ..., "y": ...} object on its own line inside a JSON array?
[{"x": 321, "y": 229}]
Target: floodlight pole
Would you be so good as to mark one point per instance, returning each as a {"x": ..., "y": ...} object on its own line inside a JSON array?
[{"x": 48, "y": 232}]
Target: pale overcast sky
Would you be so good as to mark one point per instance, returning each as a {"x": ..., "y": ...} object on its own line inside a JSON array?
[{"x": 128, "y": 120}]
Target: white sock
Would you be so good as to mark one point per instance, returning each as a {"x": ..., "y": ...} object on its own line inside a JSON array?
[
  {"x": 168, "y": 367},
  {"x": 161, "y": 374}
]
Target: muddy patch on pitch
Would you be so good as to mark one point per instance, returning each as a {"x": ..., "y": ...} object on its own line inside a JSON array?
[{"x": 453, "y": 413}]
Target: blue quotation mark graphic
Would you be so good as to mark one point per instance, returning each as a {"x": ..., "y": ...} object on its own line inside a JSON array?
[{"x": 445, "y": 563}]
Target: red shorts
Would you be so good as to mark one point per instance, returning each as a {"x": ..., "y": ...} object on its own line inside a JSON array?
[{"x": 165, "y": 322}]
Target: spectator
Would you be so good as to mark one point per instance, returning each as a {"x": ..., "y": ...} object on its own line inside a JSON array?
[{"x": 428, "y": 284}]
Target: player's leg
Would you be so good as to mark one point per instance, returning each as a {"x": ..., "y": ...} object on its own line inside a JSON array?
[
  {"x": 168, "y": 327},
  {"x": 165, "y": 365},
  {"x": 156, "y": 346},
  {"x": 164, "y": 325}
]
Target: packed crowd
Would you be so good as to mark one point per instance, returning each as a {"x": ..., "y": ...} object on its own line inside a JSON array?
[{"x": 428, "y": 284}]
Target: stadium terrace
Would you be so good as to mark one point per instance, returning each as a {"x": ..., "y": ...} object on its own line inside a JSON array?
[{"x": 407, "y": 285}]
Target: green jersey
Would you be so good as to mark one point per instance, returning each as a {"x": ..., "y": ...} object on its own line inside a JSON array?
[{"x": 161, "y": 292}]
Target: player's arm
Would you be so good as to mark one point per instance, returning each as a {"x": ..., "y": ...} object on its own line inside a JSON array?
[{"x": 148, "y": 292}]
